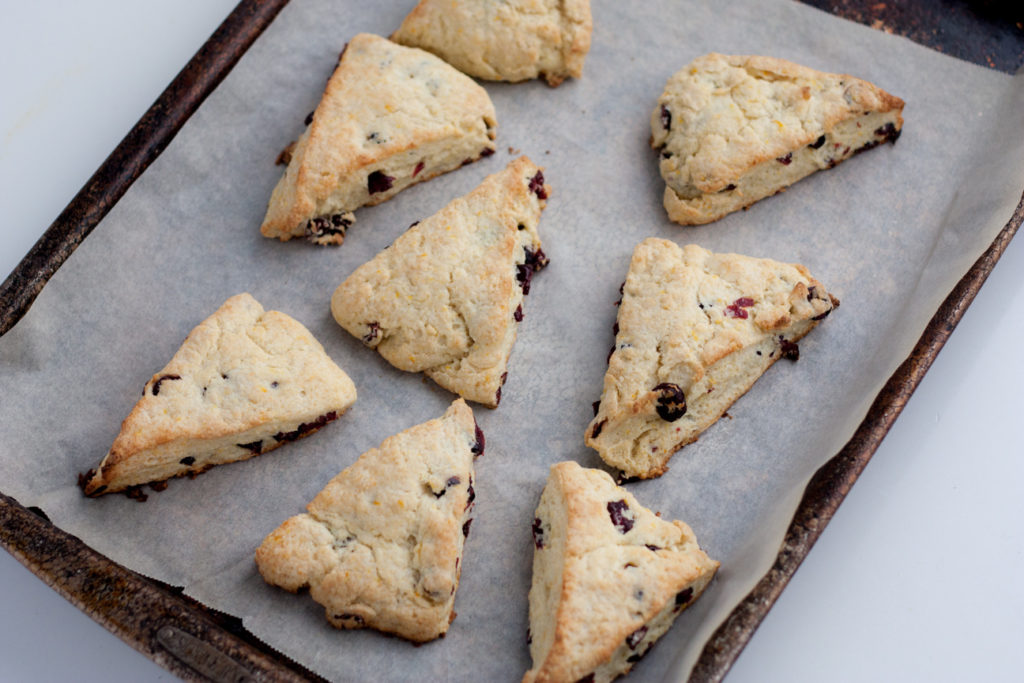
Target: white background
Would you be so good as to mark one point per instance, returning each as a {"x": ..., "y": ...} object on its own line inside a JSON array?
[{"x": 916, "y": 578}]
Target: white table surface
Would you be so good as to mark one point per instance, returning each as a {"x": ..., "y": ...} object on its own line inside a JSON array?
[{"x": 917, "y": 578}]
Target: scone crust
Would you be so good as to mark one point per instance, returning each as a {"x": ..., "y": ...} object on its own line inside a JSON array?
[
  {"x": 614, "y": 579},
  {"x": 380, "y": 546},
  {"x": 722, "y": 116},
  {"x": 383, "y": 104},
  {"x": 509, "y": 41},
  {"x": 445, "y": 298},
  {"x": 706, "y": 324},
  {"x": 240, "y": 369}
]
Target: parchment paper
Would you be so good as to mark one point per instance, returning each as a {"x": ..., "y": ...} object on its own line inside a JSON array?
[{"x": 890, "y": 232}]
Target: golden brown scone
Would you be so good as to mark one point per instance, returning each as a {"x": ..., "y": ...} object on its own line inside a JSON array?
[
  {"x": 244, "y": 382},
  {"x": 694, "y": 331},
  {"x": 609, "y": 578},
  {"x": 735, "y": 129},
  {"x": 446, "y": 297},
  {"x": 380, "y": 547},
  {"x": 513, "y": 40},
  {"x": 391, "y": 116}
]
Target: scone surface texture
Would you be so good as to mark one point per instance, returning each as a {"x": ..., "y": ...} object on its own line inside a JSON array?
[
  {"x": 446, "y": 297},
  {"x": 734, "y": 129},
  {"x": 609, "y": 577},
  {"x": 390, "y": 116},
  {"x": 514, "y": 40},
  {"x": 380, "y": 546},
  {"x": 694, "y": 331},
  {"x": 244, "y": 382}
]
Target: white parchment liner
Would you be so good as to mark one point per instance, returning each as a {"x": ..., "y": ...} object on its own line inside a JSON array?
[{"x": 890, "y": 232}]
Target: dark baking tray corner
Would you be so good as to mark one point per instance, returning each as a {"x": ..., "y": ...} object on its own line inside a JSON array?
[{"x": 197, "y": 643}]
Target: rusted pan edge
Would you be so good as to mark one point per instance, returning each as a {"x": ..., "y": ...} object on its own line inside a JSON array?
[
  {"x": 143, "y": 144},
  {"x": 179, "y": 634},
  {"x": 830, "y": 484}
]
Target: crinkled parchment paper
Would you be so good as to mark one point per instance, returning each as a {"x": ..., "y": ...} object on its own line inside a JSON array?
[{"x": 890, "y": 232}]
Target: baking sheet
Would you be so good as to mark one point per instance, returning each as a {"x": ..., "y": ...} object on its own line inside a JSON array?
[{"x": 889, "y": 232}]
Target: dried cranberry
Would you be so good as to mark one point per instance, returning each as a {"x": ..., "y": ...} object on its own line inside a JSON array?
[
  {"x": 537, "y": 185},
  {"x": 372, "y": 334},
  {"x": 789, "y": 349},
  {"x": 888, "y": 132},
  {"x": 538, "y": 533},
  {"x": 634, "y": 638},
  {"x": 187, "y": 460},
  {"x": 652, "y": 548},
  {"x": 487, "y": 152},
  {"x": 596, "y": 405},
  {"x": 306, "y": 428},
  {"x": 309, "y": 118},
  {"x": 378, "y": 182},
  {"x": 478, "y": 448},
  {"x": 518, "y": 314},
  {"x": 529, "y": 637},
  {"x": 817, "y": 143},
  {"x": 617, "y": 510},
  {"x": 254, "y": 446},
  {"x": 684, "y": 596},
  {"x": 728, "y": 188},
  {"x": 671, "y": 401},
  {"x": 465, "y": 527},
  {"x": 666, "y": 118},
  {"x": 785, "y": 160},
  {"x": 415, "y": 171},
  {"x": 156, "y": 384},
  {"x": 596, "y": 431},
  {"x": 324, "y": 226},
  {"x": 589, "y": 678},
  {"x": 535, "y": 260}
]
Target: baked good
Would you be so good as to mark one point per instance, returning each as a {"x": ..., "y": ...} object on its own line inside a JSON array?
[
  {"x": 244, "y": 382},
  {"x": 609, "y": 577},
  {"x": 390, "y": 116},
  {"x": 694, "y": 331},
  {"x": 381, "y": 545},
  {"x": 515, "y": 40},
  {"x": 446, "y": 297},
  {"x": 735, "y": 129}
]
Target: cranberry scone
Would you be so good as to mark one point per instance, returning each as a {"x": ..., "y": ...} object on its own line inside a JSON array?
[
  {"x": 446, "y": 297},
  {"x": 735, "y": 129},
  {"x": 244, "y": 382},
  {"x": 694, "y": 331},
  {"x": 516, "y": 40},
  {"x": 391, "y": 116},
  {"x": 381, "y": 545},
  {"x": 609, "y": 577}
]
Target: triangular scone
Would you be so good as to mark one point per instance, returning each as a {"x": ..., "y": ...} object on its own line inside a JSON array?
[
  {"x": 446, "y": 297},
  {"x": 381, "y": 546},
  {"x": 694, "y": 331},
  {"x": 609, "y": 577},
  {"x": 734, "y": 129},
  {"x": 390, "y": 116},
  {"x": 514, "y": 40},
  {"x": 244, "y": 382}
]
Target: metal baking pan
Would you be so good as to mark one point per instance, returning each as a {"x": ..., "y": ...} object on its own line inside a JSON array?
[{"x": 197, "y": 643}]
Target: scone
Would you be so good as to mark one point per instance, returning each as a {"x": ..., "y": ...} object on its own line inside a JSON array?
[
  {"x": 244, "y": 382},
  {"x": 515, "y": 40},
  {"x": 609, "y": 578},
  {"x": 694, "y": 331},
  {"x": 446, "y": 297},
  {"x": 390, "y": 116},
  {"x": 735, "y": 129},
  {"x": 381, "y": 546}
]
